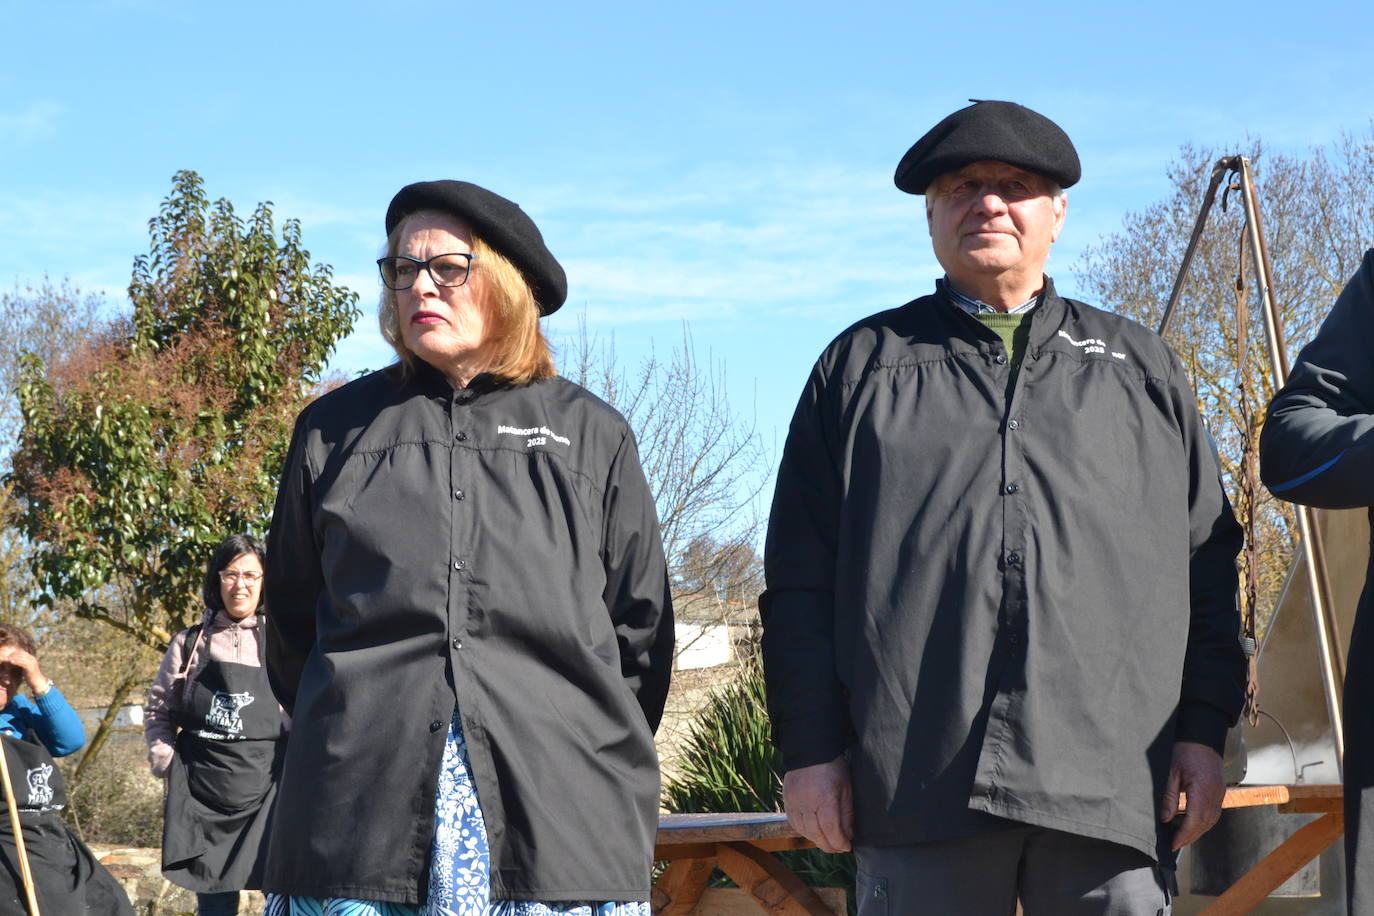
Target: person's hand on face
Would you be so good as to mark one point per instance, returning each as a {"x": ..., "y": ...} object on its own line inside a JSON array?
[{"x": 18, "y": 667}]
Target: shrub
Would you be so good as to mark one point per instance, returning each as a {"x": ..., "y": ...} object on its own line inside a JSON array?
[
  {"x": 728, "y": 763},
  {"x": 116, "y": 802}
]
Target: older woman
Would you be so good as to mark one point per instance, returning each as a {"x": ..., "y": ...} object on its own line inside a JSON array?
[
  {"x": 215, "y": 732},
  {"x": 67, "y": 879},
  {"x": 471, "y": 622}
]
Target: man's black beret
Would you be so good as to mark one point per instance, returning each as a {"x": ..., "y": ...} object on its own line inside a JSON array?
[
  {"x": 500, "y": 223},
  {"x": 1003, "y": 131}
]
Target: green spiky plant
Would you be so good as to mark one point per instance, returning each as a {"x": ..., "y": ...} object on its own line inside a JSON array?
[{"x": 728, "y": 763}]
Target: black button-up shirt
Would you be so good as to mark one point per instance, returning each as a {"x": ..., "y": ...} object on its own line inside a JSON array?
[
  {"x": 1002, "y": 604},
  {"x": 497, "y": 548}
]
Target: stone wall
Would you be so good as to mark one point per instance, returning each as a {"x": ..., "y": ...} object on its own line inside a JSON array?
[{"x": 139, "y": 872}]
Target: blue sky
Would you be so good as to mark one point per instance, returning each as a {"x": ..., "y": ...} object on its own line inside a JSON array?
[{"x": 726, "y": 165}]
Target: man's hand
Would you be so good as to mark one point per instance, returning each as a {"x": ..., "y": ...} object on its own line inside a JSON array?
[
  {"x": 1196, "y": 770},
  {"x": 820, "y": 805}
]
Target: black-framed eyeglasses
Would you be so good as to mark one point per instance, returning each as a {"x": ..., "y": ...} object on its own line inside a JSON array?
[{"x": 399, "y": 272}]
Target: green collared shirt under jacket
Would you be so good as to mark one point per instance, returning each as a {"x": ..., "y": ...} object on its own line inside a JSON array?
[{"x": 1001, "y": 602}]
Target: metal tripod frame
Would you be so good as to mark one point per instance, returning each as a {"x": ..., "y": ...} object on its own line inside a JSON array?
[{"x": 1331, "y": 655}]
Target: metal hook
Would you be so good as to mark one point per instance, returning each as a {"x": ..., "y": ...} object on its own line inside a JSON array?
[{"x": 1232, "y": 184}]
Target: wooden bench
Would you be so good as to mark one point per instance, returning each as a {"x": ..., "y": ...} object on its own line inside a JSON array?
[
  {"x": 742, "y": 846},
  {"x": 1308, "y": 842}
]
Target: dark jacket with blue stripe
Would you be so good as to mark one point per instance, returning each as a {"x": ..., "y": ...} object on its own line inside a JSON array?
[
  {"x": 1317, "y": 448},
  {"x": 494, "y": 548},
  {"x": 1001, "y": 604}
]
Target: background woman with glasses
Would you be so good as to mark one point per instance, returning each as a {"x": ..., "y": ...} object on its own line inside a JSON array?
[
  {"x": 216, "y": 733},
  {"x": 470, "y": 616}
]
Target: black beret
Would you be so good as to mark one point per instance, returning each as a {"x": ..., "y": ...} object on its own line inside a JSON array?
[
  {"x": 500, "y": 223},
  {"x": 1003, "y": 131}
]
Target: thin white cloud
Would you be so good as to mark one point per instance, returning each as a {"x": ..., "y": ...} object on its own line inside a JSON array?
[
  {"x": 89, "y": 238},
  {"x": 314, "y": 214},
  {"x": 366, "y": 285},
  {"x": 38, "y": 119},
  {"x": 723, "y": 240}
]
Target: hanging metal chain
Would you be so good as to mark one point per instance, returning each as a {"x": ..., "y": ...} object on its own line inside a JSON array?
[{"x": 1248, "y": 485}]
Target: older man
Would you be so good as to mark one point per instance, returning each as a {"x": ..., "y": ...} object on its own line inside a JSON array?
[{"x": 1000, "y": 629}]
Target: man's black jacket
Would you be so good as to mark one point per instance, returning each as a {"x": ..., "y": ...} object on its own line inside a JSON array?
[{"x": 998, "y": 603}]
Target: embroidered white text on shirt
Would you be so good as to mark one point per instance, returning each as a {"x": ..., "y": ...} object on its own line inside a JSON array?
[
  {"x": 534, "y": 435},
  {"x": 1091, "y": 345}
]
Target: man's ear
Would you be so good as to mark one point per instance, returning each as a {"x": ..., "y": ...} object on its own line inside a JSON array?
[{"x": 1061, "y": 207}]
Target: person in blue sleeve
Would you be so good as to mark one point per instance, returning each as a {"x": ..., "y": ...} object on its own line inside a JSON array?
[
  {"x": 68, "y": 881},
  {"x": 48, "y": 715},
  {"x": 1317, "y": 448}
]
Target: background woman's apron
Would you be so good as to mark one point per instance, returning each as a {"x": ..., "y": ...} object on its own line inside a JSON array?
[
  {"x": 223, "y": 780},
  {"x": 67, "y": 879}
]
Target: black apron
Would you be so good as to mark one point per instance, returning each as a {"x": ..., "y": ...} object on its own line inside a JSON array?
[
  {"x": 223, "y": 780},
  {"x": 67, "y": 879}
]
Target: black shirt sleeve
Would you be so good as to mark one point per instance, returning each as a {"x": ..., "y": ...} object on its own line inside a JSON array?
[
  {"x": 1317, "y": 447},
  {"x": 637, "y": 593},
  {"x": 1214, "y": 666},
  {"x": 293, "y": 579},
  {"x": 806, "y": 699}
]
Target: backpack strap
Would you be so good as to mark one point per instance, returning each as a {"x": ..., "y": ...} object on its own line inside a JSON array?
[{"x": 188, "y": 646}]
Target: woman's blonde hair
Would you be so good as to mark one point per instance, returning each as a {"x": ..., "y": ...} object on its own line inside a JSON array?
[{"x": 522, "y": 354}]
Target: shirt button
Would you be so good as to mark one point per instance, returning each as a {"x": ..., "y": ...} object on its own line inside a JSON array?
[
  {"x": 1001, "y": 359},
  {"x": 459, "y": 564},
  {"x": 461, "y": 437},
  {"x": 1014, "y": 638},
  {"x": 1012, "y": 487},
  {"x": 435, "y": 726},
  {"x": 1013, "y": 559},
  {"x": 459, "y": 494},
  {"x": 1014, "y": 424},
  {"x": 457, "y": 643}
]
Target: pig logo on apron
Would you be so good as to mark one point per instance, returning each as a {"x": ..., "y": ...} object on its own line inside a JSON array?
[
  {"x": 223, "y": 716},
  {"x": 40, "y": 792}
]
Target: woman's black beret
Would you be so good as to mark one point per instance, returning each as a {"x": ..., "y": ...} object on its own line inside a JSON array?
[
  {"x": 500, "y": 223},
  {"x": 1004, "y": 131}
]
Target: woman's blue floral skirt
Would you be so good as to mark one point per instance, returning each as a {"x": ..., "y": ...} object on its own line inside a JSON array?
[{"x": 460, "y": 863}]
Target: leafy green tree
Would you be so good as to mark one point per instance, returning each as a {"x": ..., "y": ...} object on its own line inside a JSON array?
[{"x": 145, "y": 444}]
